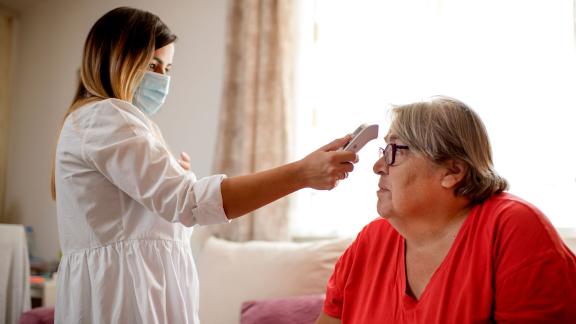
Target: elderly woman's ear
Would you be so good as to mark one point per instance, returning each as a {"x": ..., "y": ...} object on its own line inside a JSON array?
[{"x": 455, "y": 171}]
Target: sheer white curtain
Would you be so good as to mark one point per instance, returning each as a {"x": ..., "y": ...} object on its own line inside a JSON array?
[
  {"x": 513, "y": 61},
  {"x": 256, "y": 101}
]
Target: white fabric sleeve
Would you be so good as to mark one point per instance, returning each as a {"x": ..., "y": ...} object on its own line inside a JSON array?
[{"x": 121, "y": 146}]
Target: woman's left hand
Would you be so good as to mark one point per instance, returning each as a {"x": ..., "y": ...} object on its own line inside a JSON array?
[{"x": 184, "y": 161}]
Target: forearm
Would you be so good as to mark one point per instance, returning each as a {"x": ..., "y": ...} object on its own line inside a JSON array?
[
  {"x": 319, "y": 170},
  {"x": 243, "y": 194}
]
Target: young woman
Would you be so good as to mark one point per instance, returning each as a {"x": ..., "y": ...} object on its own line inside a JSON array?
[{"x": 125, "y": 204}]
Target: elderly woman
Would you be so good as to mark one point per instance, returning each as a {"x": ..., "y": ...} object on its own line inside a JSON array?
[{"x": 451, "y": 246}]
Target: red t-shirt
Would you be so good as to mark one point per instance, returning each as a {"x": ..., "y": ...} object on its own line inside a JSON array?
[{"x": 506, "y": 265}]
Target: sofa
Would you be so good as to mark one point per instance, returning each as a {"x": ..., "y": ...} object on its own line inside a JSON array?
[
  {"x": 263, "y": 282},
  {"x": 253, "y": 282},
  {"x": 257, "y": 282}
]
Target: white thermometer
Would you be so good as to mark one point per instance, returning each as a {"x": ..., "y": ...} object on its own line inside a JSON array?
[{"x": 362, "y": 135}]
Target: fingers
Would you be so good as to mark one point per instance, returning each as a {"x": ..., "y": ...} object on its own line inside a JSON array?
[
  {"x": 343, "y": 171},
  {"x": 185, "y": 157},
  {"x": 325, "y": 167},
  {"x": 336, "y": 144},
  {"x": 345, "y": 157},
  {"x": 337, "y": 180},
  {"x": 185, "y": 165},
  {"x": 342, "y": 163},
  {"x": 343, "y": 176},
  {"x": 184, "y": 161},
  {"x": 347, "y": 167},
  {"x": 338, "y": 173}
]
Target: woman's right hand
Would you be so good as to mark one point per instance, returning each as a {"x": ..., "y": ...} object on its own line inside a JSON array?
[{"x": 323, "y": 168}]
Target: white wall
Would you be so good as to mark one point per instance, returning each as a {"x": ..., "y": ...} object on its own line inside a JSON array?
[{"x": 50, "y": 40}]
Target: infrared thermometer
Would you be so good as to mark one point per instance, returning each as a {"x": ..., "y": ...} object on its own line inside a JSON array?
[{"x": 362, "y": 135}]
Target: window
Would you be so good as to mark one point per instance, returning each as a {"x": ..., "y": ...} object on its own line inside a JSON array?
[{"x": 513, "y": 61}]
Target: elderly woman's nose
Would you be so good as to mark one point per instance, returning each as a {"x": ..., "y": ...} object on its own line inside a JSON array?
[{"x": 380, "y": 167}]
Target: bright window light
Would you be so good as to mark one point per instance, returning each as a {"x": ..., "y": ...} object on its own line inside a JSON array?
[{"x": 513, "y": 61}]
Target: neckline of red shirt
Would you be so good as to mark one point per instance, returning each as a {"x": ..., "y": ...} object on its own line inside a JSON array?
[{"x": 411, "y": 303}]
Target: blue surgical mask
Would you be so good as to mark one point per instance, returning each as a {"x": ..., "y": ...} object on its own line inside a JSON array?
[{"x": 151, "y": 92}]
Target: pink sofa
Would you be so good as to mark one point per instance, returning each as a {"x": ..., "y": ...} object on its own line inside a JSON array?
[
  {"x": 290, "y": 310},
  {"x": 40, "y": 315}
]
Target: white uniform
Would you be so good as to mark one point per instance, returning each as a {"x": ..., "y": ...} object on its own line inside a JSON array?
[{"x": 125, "y": 208}]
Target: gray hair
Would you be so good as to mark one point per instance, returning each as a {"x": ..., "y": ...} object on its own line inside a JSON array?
[{"x": 445, "y": 129}]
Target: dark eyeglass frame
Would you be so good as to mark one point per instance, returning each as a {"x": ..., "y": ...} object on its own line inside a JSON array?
[{"x": 394, "y": 147}]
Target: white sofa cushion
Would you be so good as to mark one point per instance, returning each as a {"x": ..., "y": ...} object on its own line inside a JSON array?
[{"x": 231, "y": 273}]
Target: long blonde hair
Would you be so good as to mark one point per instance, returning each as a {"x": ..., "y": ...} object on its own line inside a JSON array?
[
  {"x": 445, "y": 128},
  {"x": 116, "y": 54}
]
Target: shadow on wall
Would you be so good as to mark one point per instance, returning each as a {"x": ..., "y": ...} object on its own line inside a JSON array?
[{"x": 12, "y": 215}]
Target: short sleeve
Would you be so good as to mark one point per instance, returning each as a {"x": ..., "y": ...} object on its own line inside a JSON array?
[
  {"x": 335, "y": 287},
  {"x": 535, "y": 277},
  {"x": 121, "y": 146}
]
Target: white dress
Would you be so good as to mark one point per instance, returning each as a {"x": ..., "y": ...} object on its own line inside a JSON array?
[{"x": 125, "y": 211}]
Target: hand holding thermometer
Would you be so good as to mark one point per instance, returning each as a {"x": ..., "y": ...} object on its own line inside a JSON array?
[{"x": 362, "y": 135}]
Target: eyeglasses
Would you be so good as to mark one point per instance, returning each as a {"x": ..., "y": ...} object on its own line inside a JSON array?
[{"x": 389, "y": 153}]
